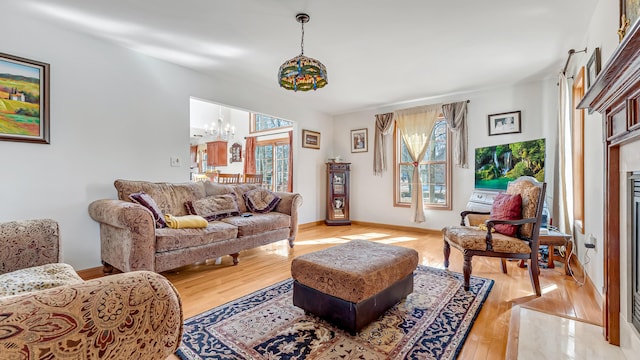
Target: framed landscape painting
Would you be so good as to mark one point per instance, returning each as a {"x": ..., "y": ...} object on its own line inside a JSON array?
[
  {"x": 24, "y": 100},
  {"x": 310, "y": 139}
]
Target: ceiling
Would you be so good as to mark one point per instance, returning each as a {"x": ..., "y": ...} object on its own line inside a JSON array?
[{"x": 377, "y": 52}]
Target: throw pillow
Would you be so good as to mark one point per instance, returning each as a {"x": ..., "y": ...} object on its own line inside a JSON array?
[
  {"x": 147, "y": 201},
  {"x": 213, "y": 208},
  {"x": 185, "y": 221},
  {"x": 261, "y": 200},
  {"x": 507, "y": 207}
]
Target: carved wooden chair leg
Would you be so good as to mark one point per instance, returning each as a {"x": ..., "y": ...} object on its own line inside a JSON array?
[
  {"x": 447, "y": 252},
  {"x": 534, "y": 271},
  {"x": 466, "y": 270},
  {"x": 291, "y": 243}
]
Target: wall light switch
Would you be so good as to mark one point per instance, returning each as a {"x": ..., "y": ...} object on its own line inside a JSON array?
[{"x": 175, "y": 161}]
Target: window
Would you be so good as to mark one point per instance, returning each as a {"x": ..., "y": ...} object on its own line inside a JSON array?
[
  {"x": 435, "y": 170},
  {"x": 260, "y": 122},
  {"x": 272, "y": 161}
]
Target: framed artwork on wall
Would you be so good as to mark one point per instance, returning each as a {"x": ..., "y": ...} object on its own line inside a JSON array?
[
  {"x": 359, "y": 141},
  {"x": 593, "y": 67},
  {"x": 504, "y": 123},
  {"x": 310, "y": 139},
  {"x": 629, "y": 13},
  {"x": 24, "y": 100}
]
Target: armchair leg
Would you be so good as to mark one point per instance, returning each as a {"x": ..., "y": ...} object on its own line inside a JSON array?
[
  {"x": 503, "y": 264},
  {"x": 106, "y": 268},
  {"x": 235, "y": 258},
  {"x": 447, "y": 252},
  {"x": 466, "y": 270},
  {"x": 534, "y": 271}
]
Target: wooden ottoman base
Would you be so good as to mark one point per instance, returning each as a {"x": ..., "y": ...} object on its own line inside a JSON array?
[{"x": 349, "y": 316}]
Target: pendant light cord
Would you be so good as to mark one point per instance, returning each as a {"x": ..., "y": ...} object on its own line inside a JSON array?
[{"x": 302, "y": 40}]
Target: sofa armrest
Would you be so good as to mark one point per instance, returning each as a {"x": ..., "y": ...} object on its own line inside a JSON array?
[
  {"x": 127, "y": 234},
  {"x": 289, "y": 204},
  {"x": 28, "y": 243},
  {"x": 124, "y": 316}
]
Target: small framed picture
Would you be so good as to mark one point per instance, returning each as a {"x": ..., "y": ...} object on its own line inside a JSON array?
[
  {"x": 359, "y": 141},
  {"x": 24, "y": 100},
  {"x": 593, "y": 67},
  {"x": 310, "y": 139},
  {"x": 504, "y": 123}
]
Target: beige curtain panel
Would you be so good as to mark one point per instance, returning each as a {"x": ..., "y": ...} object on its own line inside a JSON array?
[
  {"x": 415, "y": 125},
  {"x": 384, "y": 124},
  {"x": 565, "y": 180},
  {"x": 456, "y": 116}
]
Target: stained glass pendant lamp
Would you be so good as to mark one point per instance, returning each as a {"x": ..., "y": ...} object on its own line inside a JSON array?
[{"x": 302, "y": 73}]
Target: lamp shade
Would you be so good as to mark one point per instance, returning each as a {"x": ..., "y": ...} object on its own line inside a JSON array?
[{"x": 302, "y": 74}]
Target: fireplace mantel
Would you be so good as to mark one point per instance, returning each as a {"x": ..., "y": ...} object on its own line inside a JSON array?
[{"x": 616, "y": 95}]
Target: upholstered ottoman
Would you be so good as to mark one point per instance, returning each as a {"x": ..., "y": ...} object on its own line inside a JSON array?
[{"x": 352, "y": 284}]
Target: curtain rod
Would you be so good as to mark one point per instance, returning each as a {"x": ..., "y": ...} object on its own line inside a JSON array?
[{"x": 571, "y": 53}]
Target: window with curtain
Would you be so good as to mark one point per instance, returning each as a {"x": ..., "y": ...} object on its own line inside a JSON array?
[
  {"x": 272, "y": 161},
  {"x": 435, "y": 170}
]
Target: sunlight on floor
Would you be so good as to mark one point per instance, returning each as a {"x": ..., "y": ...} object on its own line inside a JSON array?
[{"x": 377, "y": 237}]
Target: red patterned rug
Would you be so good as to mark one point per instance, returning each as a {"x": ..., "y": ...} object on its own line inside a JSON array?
[{"x": 431, "y": 323}]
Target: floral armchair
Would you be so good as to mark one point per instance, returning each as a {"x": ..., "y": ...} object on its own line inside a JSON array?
[
  {"x": 510, "y": 235},
  {"x": 48, "y": 312}
]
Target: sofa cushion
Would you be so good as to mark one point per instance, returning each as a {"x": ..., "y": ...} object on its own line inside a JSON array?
[
  {"x": 37, "y": 278},
  {"x": 214, "y": 207},
  {"x": 259, "y": 223},
  {"x": 211, "y": 188},
  {"x": 260, "y": 200},
  {"x": 170, "y": 197},
  {"x": 147, "y": 201},
  {"x": 173, "y": 239}
]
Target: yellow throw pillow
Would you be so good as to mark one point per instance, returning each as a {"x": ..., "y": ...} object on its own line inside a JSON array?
[{"x": 185, "y": 222}]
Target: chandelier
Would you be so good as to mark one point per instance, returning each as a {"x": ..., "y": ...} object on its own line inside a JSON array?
[
  {"x": 302, "y": 73},
  {"x": 221, "y": 131}
]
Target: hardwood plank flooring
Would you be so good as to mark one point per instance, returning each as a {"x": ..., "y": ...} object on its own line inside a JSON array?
[{"x": 205, "y": 286}]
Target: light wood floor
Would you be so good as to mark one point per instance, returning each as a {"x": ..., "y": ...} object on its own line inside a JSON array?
[{"x": 205, "y": 286}]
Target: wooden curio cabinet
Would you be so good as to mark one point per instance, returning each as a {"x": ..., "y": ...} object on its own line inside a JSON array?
[
  {"x": 217, "y": 153},
  {"x": 338, "y": 194}
]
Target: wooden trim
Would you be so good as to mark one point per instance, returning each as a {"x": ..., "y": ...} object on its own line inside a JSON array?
[
  {"x": 310, "y": 224},
  {"x": 612, "y": 246},
  {"x": 578, "y": 150},
  {"x": 397, "y": 227}
]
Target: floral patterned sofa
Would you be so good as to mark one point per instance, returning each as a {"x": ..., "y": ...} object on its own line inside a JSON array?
[
  {"x": 132, "y": 236},
  {"x": 48, "y": 312}
]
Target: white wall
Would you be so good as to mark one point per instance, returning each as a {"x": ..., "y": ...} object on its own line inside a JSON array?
[
  {"x": 535, "y": 100},
  {"x": 118, "y": 114}
]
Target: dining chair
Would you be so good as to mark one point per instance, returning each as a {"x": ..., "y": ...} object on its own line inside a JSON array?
[
  {"x": 228, "y": 178},
  {"x": 253, "y": 179}
]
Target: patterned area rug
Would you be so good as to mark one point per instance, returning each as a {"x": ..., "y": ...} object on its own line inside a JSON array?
[{"x": 431, "y": 323}]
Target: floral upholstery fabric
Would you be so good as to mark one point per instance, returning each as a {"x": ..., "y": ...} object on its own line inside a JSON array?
[
  {"x": 28, "y": 243},
  {"x": 129, "y": 240},
  {"x": 169, "y": 197},
  {"x": 132, "y": 315},
  {"x": 356, "y": 270},
  {"x": 472, "y": 238},
  {"x": 260, "y": 200},
  {"x": 530, "y": 194},
  {"x": 37, "y": 278},
  {"x": 214, "y": 207},
  {"x": 126, "y": 316}
]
